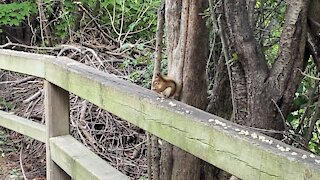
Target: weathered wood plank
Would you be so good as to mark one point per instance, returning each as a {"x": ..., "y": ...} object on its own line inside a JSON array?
[
  {"x": 183, "y": 126},
  {"x": 10, "y": 61},
  {"x": 79, "y": 162},
  {"x": 57, "y": 123},
  {"x": 23, "y": 126},
  {"x": 241, "y": 152}
]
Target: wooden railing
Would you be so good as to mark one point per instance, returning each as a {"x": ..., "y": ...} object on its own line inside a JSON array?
[{"x": 236, "y": 149}]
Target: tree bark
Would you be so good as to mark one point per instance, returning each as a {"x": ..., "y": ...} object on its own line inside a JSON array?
[
  {"x": 187, "y": 56},
  {"x": 313, "y": 36},
  {"x": 267, "y": 89}
]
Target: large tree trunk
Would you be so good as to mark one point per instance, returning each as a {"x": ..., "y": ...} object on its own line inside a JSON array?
[
  {"x": 269, "y": 92},
  {"x": 187, "y": 57}
]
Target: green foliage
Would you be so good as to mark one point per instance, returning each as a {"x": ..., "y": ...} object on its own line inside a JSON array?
[
  {"x": 269, "y": 26},
  {"x": 4, "y": 147},
  {"x": 66, "y": 18},
  {"x": 301, "y": 102},
  {"x": 141, "y": 70},
  {"x": 131, "y": 20},
  {"x": 137, "y": 18},
  {"x": 16, "y": 174},
  {"x": 143, "y": 178},
  {"x": 235, "y": 56},
  {"x": 7, "y": 146},
  {"x": 14, "y": 13},
  {"x": 6, "y": 105},
  {"x": 3, "y": 139},
  {"x": 314, "y": 144}
]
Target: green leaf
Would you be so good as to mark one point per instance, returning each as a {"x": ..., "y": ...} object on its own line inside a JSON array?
[
  {"x": 14, "y": 13},
  {"x": 140, "y": 46},
  {"x": 235, "y": 56},
  {"x": 125, "y": 46}
]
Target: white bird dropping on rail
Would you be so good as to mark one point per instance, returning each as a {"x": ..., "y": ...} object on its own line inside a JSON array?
[
  {"x": 246, "y": 133},
  {"x": 172, "y": 104},
  {"x": 254, "y": 135},
  {"x": 312, "y": 155},
  {"x": 217, "y": 122},
  {"x": 269, "y": 141},
  {"x": 294, "y": 154},
  {"x": 262, "y": 138},
  {"x": 210, "y": 120}
]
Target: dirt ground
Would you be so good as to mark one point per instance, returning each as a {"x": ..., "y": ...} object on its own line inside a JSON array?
[{"x": 16, "y": 162}]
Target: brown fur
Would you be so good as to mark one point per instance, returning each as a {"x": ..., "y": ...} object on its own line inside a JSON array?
[{"x": 164, "y": 85}]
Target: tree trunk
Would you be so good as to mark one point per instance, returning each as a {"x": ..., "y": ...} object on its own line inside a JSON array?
[
  {"x": 269, "y": 92},
  {"x": 187, "y": 57}
]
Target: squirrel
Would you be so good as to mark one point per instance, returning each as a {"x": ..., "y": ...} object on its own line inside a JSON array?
[{"x": 164, "y": 85}]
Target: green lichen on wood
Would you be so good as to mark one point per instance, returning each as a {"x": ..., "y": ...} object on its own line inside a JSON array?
[
  {"x": 23, "y": 126},
  {"x": 79, "y": 162}
]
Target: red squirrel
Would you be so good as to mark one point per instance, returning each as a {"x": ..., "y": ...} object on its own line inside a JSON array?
[{"x": 164, "y": 85}]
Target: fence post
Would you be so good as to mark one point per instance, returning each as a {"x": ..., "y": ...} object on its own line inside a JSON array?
[{"x": 57, "y": 123}]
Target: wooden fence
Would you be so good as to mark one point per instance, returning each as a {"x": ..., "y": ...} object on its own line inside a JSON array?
[{"x": 236, "y": 149}]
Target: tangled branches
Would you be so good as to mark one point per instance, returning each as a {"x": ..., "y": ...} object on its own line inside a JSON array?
[{"x": 115, "y": 140}]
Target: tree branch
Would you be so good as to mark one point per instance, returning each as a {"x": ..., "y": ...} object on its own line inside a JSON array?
[
  {"x": 292, "y": 45},
  {"x": 247, "y": 50}
]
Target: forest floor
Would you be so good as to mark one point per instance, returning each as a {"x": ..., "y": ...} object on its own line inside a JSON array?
[{"x": 15, "y": 163}]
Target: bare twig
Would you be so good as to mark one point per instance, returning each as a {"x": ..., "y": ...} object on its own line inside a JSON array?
[
  {"x": 28, "y": 47},
  {"x": 307, "y": 75},
  {"x": 310, "y": 93},
  {"x": 81, "y": 50},
  {"x": 153, "y": 146},
  {"x": 281, "y": 114},
  {"x": 313, "y": 121},
  {"x": 271, "y": 131},
  {"x": 97, "y": 24},
  {"x": 225, "y": 48},
  {"x": 121, "y": 24},
  {"x": 34, "y": 96},
  {"x": 43, "y": 24},
  {"x": 21, "y": 163},
  {"x": 134, "y": 24}
]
